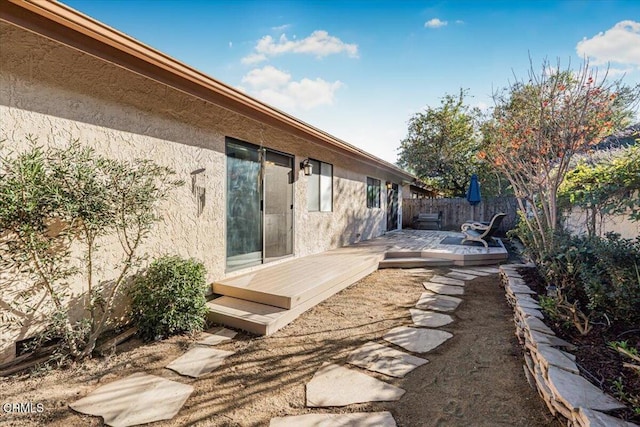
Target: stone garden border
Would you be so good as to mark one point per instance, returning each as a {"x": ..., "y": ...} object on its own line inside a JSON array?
[{"x": 548, "y": 366}]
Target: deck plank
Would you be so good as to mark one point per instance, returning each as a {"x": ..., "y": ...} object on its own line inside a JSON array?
[
  {"x": 269, "y": 298},
  {"x": 290, "y": 283}
]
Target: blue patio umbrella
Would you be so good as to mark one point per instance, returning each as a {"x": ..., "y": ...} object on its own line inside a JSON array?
[{"x": 473, "y": 194}]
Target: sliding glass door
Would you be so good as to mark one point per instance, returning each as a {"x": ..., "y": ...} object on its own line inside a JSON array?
[
  {"x": 278, "y": 205},
  {"x": 259, "y": 205},
  {"x": 244, "y": 195}
]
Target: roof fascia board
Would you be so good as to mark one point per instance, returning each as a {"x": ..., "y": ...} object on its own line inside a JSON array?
[{"x": 68, "y": 26}]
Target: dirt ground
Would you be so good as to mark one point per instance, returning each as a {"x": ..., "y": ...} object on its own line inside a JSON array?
[{"x": 474, "y": 379}]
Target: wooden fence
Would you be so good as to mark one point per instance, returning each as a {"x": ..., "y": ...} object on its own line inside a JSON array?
[{"x": 457, "y": 211}]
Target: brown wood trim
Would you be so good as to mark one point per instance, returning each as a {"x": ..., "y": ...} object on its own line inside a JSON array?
[{"x": 68, "y": 26}]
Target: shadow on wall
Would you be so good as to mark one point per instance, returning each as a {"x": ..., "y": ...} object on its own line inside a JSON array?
[
  {"x": 26, "y": 308},
  {"x": 357, "y": 224}
]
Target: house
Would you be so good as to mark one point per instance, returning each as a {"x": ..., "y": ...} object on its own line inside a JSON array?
[{"x": 262, "y": 186}]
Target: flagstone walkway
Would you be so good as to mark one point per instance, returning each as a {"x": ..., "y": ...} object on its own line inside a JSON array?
[
  {"x": 334, "y": 386},
  {"x": 126, "y": 402}
]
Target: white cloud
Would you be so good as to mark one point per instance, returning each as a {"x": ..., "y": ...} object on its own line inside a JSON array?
[
  {"x": 230, "y": 44},
  {"x": 319, "y": 43},
  {"x": 253, "y": 58},
  {"x": 280, "y": 28},
  {"x": 435, "y": 23},
  {"x": 619, "y": 72},
  {"x": 275, "y": 87},
  {"x": 619, "y": 44},
  {"x": 266, "y": 77},
  {"x": 459, "y": 21}
]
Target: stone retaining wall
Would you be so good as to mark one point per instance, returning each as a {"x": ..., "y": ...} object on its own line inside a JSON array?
[{"x": 549, "y": 366}]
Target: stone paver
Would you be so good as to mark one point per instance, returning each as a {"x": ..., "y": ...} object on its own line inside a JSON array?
[
  {"x": 439, "y": 288},
  {"x": 460, "y": 276},
  {"x": 358, "y": 419},
  {"x": 536, "y": 324},
  {"x": 218, "y": 337},
  {"x": 576, "y": 392},
  {"x": 528, "y": 304},
  {"x": 430, "y": 301},
  {"x": 429, "y": 319},
  {"x": 530, "y": 312},
  {"x": 447, "y": 280},
  {"x": 555, "y": 357},
  {"x": 417, "y": 340},
  {"x": 521, "y": 289},
  {"x": 335, "y": 385},
  {"x": 379, "y": 358},
  {"x": 516, "y": 281},
  {"x": 591, "y": 418},
  {"x": 137, "y": 399},
  {"x": 490, "y": 270},
  {"x": 199, "y": 361},
  {"x": 472, "y": 271}
]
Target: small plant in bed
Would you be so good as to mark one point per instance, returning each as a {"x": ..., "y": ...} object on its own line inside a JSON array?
[
  {"x": 596, "y": 306},
  {"x": 169, "y": 298}
]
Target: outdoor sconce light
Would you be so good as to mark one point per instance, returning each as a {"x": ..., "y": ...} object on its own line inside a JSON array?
[
  {"x": 389, "y": 185},
  {"x": 307, "y": 167}
]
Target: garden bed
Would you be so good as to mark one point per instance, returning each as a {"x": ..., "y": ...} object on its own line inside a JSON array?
[{"x": 597, "y": 361}]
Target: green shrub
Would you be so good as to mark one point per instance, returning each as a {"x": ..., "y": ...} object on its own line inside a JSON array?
[
  {"x": 54, "y": 201},
  {"x": 612, "y": 280},
  {"x": 169, "y": 298},
  {"x": 561, "y": 264},
  {"x": 600, "y": 275}
]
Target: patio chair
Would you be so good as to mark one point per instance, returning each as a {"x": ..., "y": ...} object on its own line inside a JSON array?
[{"x": 482, "y": 232}]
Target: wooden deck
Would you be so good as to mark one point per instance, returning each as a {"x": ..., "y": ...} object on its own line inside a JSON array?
[
  {"x": 267, "y": 299},
  {"x": 291, "y": 283}
]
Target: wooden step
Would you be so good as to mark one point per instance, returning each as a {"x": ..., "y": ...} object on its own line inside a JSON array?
[
  {"x": 292, "y": 283},
  {"x": 263, "y": 319},
  {"x": 413, "y": 262}
]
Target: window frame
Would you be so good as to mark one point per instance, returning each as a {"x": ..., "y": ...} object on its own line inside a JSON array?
[
  {"x": 321, "y": 191},
  {"x": 374, "y": 188}
]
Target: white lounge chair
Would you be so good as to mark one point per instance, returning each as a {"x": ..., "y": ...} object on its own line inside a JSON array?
[{"x": 481, "y": 231}]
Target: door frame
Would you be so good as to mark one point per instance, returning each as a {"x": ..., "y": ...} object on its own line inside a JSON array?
[
  {"x": 262, "y": 156},
  {"x": 264, "y": 203},
  {"x": 393, "y": 207}
]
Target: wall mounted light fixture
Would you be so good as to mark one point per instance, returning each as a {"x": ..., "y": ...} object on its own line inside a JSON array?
[
  {"x": 307, "y": 167},
  {"x": 389, "y": 185}
]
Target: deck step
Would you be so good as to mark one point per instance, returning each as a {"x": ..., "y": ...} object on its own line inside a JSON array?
[
  {"x": 263, "y": 319},
  {"x": 413, "y": 262},
  {"x": 292, "y": 283}
]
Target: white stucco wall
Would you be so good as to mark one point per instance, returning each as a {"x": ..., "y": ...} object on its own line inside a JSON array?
[
  {"x": 575, "y": 221},
  {"x": 57, "y": 94}
]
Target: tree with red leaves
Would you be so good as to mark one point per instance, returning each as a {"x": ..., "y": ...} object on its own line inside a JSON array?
[{"x": 538, "y": 125}]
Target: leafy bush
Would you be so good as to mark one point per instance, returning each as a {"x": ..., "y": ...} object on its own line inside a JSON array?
[
  {"x": 612, "y": 280},
  {"x": 597, "y": 276},
  {"x": 169, "y": 298},
  {"x": 54, "y": 198}
]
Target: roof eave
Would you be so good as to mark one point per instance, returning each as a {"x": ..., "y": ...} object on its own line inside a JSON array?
[{"x": 72, "y": 28}]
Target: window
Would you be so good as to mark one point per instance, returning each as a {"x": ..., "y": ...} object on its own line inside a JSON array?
[
  {"x": 373, "y": 193},
  {"x": 320, "y": 187}
]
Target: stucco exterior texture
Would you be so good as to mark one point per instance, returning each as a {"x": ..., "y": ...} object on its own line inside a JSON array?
[{"x": 58, "y": 94}]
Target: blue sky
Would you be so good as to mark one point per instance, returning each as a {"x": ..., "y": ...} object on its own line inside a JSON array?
[{"x": 360, "y": 69}]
